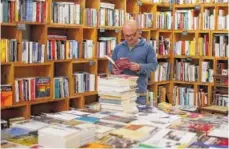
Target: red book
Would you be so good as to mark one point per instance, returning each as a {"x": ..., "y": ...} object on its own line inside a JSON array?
[{"x": 123, "y": 63}]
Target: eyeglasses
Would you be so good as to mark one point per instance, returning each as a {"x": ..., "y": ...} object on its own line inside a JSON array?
[{"x": 131, "y": 35}]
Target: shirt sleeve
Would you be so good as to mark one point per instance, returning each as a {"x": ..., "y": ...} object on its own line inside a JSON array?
[
  {"x": 114, "y": 57},
  {"x": 151, "y": 62}
]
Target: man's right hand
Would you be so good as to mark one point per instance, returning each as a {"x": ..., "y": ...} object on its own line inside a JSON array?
[{"x": 116, "y": 70}]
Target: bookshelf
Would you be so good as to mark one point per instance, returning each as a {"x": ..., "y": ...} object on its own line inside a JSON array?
[{"x": 87, "y": 30}]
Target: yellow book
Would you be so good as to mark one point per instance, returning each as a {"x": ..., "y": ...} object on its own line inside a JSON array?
[
  {"x": 3, "y": 50},
  {"x": 192, "y": 48},
  {"x": 200, "y": 43},
  {"x": 67, "y": 50}
]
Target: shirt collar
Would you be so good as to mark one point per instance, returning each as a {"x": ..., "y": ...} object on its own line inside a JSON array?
[{"x": 140, "y": 43}]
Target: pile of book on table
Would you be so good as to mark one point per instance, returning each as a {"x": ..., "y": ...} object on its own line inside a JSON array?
[
  {"x": 117, "y": 93},
  {"x": 105, "y": 129}
]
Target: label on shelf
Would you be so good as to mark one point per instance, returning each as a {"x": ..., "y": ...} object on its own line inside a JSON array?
[{"x": 21, "y": 27}]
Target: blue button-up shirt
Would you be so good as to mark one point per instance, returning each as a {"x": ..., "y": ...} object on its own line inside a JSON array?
[{"x": 143, "y": 54}]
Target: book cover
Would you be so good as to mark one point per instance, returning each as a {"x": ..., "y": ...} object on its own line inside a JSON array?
[
  {"x": 42, "y": 87},
  {"x": 6, "y": 95},
  {"x": 122, "y": 63}
]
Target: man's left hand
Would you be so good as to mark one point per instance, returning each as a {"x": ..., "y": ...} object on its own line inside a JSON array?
[{"x": 134, "y": 66}]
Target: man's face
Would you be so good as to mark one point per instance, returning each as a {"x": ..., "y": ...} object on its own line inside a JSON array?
[{"x": 131, "y": 36}]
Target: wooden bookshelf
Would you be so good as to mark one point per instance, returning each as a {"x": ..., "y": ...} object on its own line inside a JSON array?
[{"x": 39, "y": 31}]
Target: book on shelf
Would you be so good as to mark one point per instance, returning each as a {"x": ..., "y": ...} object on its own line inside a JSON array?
[
  {"x": 32, "y": 52},
  {"x": 92, "y": 17},
  {"x": 59, "y": 48},
  {"x": 9, "y": 50},
  {"x": 61, "y": 87},
  {"x": 6, "y": 95},
  {"x": 83, "y": 82},
  {"x": 65, "y": 13}
]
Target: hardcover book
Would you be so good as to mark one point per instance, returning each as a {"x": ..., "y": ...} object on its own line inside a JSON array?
[{"x": 6, "y": 95}]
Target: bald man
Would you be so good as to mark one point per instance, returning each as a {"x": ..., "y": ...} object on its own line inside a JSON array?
[{"x": 141, "y": 55}]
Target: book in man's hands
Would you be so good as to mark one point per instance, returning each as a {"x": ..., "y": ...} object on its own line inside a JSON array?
[{"x": 121, "y": 64}]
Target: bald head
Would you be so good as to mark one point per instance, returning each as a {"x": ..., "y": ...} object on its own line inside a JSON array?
[
  {"x": 130, "y": 25},
  {"x": 130, "y": 32}
]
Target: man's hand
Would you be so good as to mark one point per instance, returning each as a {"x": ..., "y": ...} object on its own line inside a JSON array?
[
  {"x": 134, "y": 66},
  {"x": 116, "y": 70}
]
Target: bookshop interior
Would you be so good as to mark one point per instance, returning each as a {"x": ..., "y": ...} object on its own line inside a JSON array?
[{"x": 114, "y": 73}]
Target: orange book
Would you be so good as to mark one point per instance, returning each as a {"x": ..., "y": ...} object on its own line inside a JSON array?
[{"x": 6, "y": 95}]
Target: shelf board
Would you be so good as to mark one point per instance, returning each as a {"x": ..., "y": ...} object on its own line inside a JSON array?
[
  {"x": 56, "y": 25},
  {"x": 89, "y": 27},
  {"x": 181, "y": 31},
  {"x": 184, "y": 82},
  {"x": 147, "y": 29},
  {"x": 8, "y": 24},
  {"x": 22, "y": 104},
  {"x": 40, "y": 100},
  {"x": 208, "y": 5},
  {"x": 221, "y": 58},
  {"x": 84, "y": 94},
  {"x": 184, "y": 5},
  {"x": 163, "y": 56},
  {"x": 207, "y": 57},
  {"x": 205, "y": 83},
  {"x": 110, "y": 27},
  {"x": 83, "y": 61},
  {"x": 216, "y": 85},
  {"x": 31, "y": 23},
  {"x": 221, "y": 4},
  {"x": 31, "y": 65},
  {"x": 163, "y": 5},
  {"x": 62, "y": 61},
  {"x": 183, "y": 56},
  {"x": 159, "y": 83},
  {"x": 165, "y": 30},
  {"x": 219, "y": 31},
  {"x": 7, "y": 63},
  {"x": 148, "y": 3}
]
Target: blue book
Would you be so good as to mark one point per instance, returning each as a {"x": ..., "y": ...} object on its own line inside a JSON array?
[
  {"x": 89, "y": 119},
  {"x": 13, "y": 132}
]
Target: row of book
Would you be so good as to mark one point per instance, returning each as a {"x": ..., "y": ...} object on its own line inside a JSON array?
[
  {"x": 220, "y": 45},
  {"x": 91, "y": 17},
  {"x": 162, "y": 72},
  {"x": 66, "y": 13},
  {"x": 9, "y": 52},
  {"x": 31, "y": 88},
  {"x": 221, "y": 100},
  {"x": 24, "y": 10},
  {"x": 144, "y": 20},
  {"x": 207, "y": 72},
  {"x": 164, "y": 20},
  {"x": 83, "y": 82},
  {"x": 186, "y": 47},
  {"x": 186, "y": 20},
  {"x": 209, "y": 19},
  {"x": 32, "y": 52},
  {"x": 109, "y": 16},
  {"x": 186, "y": 96},
  {"x": 105, "y": 46},
  {"x": 186, "y": 71},
  {"x": 223, "y": 19},
  {"x": 59, "y": 48},
  {"x": 61, "y": 87}
]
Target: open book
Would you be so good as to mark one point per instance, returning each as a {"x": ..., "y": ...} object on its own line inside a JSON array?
[{"x": 122, "y": 63}]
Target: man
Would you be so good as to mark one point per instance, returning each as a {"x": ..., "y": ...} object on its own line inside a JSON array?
[{"x": 141, "y": 55}]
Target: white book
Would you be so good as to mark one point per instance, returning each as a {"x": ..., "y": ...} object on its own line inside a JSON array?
[
  {"x": 30, "y": 125},
  {"x": 59, "y": 137}
]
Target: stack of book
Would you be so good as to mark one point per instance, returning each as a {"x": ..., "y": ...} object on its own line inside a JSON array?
[{"x": 117, "y": 93}]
